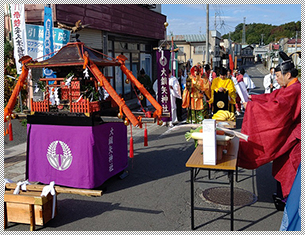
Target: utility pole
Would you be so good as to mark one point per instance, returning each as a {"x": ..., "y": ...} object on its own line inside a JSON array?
[
  {"x": 296, "y": 47},
  {"x": 215, "y": 22},
  {"x": 207, "y": 36},
  {"x": 244, "y": 32},
  {"x": 262, "y": 43},
  {"x": 230, "y": 44}
]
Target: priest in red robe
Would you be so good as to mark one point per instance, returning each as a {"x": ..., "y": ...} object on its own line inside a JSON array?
[{"x": 273, "y": 123}]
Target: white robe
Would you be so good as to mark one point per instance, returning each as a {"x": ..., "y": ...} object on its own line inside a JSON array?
[
  {"x": 234, "y": 80},
  {"x": 267, "y": 82},
  {"x": 241, "y": 89},
  {"x": 174, "y": 93},
  {"x": 248, "y": 81}
]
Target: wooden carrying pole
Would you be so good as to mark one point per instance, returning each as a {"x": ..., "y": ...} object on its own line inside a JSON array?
[
  {"x": 121, "y": 103},
  {"x": 58, "y": 189},
  {"x": 142, "y": 89}
]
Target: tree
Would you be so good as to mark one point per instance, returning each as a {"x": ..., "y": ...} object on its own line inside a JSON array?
[
  {"x": 271, "y": 33},
  {"x": 10, "y": 69},
  {"x": 239, "y": 27}
]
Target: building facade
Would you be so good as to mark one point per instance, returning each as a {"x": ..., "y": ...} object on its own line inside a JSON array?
[
  {"x": 217, "y": 51},
  {"x": 191, "y": 47},
  {"x": 294, "y": 50},
  {"x": 247, "y": 54}
]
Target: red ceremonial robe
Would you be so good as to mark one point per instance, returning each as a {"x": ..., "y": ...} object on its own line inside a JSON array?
[{"x": 273, "y": 123}]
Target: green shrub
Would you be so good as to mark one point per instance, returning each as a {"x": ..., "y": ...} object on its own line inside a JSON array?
[{"x": 24, "y": 122}]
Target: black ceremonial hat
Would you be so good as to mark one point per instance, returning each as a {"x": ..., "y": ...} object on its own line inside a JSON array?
[
  {"x": 286, "y": 65},
  {"x": 223, "y": 71}
]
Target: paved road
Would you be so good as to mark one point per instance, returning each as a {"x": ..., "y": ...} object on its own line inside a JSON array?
[
  {"x": 156, "y": 194},
  {"x": 257, "y": 74}
]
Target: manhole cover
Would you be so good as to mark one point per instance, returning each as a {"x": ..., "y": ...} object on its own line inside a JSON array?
[{"x": 221, "y": 195}]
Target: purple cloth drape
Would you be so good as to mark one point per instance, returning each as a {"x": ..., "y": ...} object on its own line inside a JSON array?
[{"x": 76, "y": 156}]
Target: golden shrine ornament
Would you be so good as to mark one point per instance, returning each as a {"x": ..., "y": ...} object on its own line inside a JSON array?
[{"x": 220, "y": 104}]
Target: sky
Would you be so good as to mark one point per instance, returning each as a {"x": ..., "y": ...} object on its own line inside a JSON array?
[{"x": 191, "y": 18}]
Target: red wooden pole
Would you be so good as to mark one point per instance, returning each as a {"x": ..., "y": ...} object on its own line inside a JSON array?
[
  {"x": 10, "y": 131},
  {"x": 145, "y": 136}
]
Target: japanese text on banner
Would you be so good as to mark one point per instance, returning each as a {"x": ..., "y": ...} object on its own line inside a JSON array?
[
  {"x": 110, "y": 149},
  {"x": 19, "y": 35},
  {"x": 163, "y": 57}
]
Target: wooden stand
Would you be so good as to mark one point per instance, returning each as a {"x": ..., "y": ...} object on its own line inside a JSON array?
[
  {"x": 227, "y": 163},
  {"x": 28, "y": 207},
  {"x": 31, "y": 208}
]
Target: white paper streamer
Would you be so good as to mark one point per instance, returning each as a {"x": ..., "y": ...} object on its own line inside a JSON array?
[
  {"x": 86, "y": 76},
  {"x": 36, "y": 88},
  {"x": 21, "y": 184},
  {"x": 68, "y": 81},
  {"x": 7, "y": 181},
  {"x": 50, "y": 189}
]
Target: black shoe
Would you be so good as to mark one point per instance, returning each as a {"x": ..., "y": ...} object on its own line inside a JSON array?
[{"x": 279, "y": 204}]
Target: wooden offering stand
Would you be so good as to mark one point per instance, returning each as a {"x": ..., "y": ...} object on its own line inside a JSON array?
[{"x": 30, "y": 208}]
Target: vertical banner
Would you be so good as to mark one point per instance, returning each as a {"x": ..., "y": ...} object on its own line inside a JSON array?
[
  {"x": 163, "y": 60},
  {"x": 173, "y": 66},
  {"x": 19, "y": 33},
  {"x": 231, "y": 64},
  {"x": 48, "y": 40}
]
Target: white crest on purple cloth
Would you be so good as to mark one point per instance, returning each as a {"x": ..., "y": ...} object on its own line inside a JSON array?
[
  {"x": 53, "y": 157},
  {"x": 163, "y": 61}
]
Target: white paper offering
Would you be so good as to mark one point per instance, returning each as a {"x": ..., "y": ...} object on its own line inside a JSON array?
[
  {"x": 209, "y": 142},
  {"x": 242, "y": 91}
]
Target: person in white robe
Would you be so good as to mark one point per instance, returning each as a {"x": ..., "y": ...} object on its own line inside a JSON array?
[
  {"x": 175, "y": 92},
  {"x": 247, "y": 80},
  {"x": 270, "y": 83},
  {"x": 241, "y": 92}
]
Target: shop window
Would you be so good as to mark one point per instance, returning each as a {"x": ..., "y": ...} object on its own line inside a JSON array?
[
  {"x": 118, "y": 78},
  {"x": 132, "y": 46},
  {"x": 148, "y": 47},
  {"x": 146, "y": 63},
  {"x": 135, "y": 64},
  {"x": 145, "y": 47},
  {"x": 120, "y": 46},
  {"x": 127, "y": 87},
  {"x": 181, "y": 51},
  {"x": 109, "y": 45}
]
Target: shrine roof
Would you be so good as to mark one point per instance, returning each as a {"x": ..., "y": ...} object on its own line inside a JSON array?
[{"x": 72, "y": 55}]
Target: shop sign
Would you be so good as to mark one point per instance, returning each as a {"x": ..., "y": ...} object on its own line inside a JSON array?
[{"x": 34, "y": 35}]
